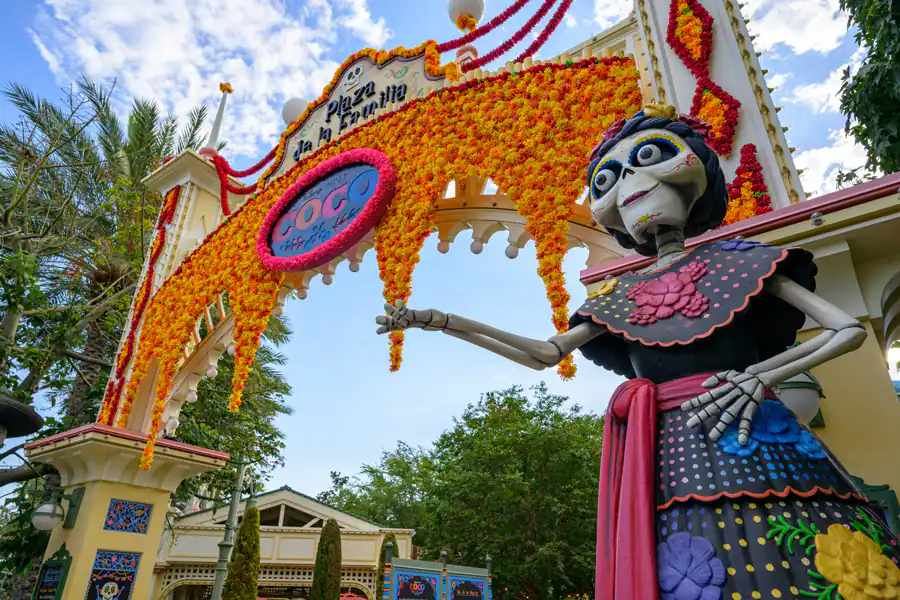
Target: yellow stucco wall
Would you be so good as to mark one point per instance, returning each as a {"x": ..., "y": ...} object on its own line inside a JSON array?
[
  {"x": 861, "y": 411},
  {"x": 88, "y": 535}
]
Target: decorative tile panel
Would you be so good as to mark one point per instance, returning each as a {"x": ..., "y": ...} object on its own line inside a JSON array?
[
  {"x": 113, "y": 575},
  {"x": 127, "y": 517}
]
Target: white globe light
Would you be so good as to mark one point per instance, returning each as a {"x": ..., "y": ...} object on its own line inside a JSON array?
[
  {"x": 47, "y": 516},
  {"x": 458, "y": 8},
  {"x": 292, "y": 110}
]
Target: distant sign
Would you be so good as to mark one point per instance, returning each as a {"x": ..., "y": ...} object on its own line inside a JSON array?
[
  {"x": 466, "y": 589},
  {"x": 413, "y": 586},
  {"x": 328, "y": 210},
  {"x": 52, "y": 576},
  {"x": 362, "y": 88}
]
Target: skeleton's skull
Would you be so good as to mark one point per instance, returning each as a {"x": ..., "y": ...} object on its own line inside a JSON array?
[
  {"x": 354, "y": 76},
  {"x": 109, "y": 591},
  {"x": 649, "y": 179}
]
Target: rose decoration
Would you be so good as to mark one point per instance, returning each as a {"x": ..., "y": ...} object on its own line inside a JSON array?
[
  {"x": 687, "y": 569},
  {"x": 671, "y": 293}
]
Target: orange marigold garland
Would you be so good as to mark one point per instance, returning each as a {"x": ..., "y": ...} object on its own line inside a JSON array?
[
  {"x": 720, "y": 109},
  {"x": 467, "y": 23},
  {"x": 505, "y": 127},
  {"x": 690, "y": 35},
  {"x": 748, "y": 195},
  {"x": 114, "y": 387}
]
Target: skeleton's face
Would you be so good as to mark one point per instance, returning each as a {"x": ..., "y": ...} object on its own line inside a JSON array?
[
  {"x": 109, "y": 591},
  {"x": 650, "y": 179},
  {"x": 354, "y": 76}
]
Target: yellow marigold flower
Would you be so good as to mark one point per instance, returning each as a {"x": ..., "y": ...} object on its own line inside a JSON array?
[
  {"x": 225, "y": 88},
  {"x": 855, "y": 562}
]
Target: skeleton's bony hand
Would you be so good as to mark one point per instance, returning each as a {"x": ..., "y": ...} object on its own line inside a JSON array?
[
  {"x": 400, "y": 317},
  {"x": 735, "y": 395}
]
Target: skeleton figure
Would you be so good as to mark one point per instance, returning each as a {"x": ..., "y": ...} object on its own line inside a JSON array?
[
  {"x": 703, "y": 335},
  {"x": 354, "y": 76},
  {"x": 109, "y": 591}
]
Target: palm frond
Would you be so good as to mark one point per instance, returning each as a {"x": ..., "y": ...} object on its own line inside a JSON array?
[{"x": 192, "y": 136}]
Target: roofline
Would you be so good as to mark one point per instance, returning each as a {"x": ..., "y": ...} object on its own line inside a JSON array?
[
  {"x": 284, "y": 488},
  {"x": 795, "y": 213}
]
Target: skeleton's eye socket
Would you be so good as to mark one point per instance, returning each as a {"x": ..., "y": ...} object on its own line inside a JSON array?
[
  {"x": 651, "y": 152},
  {"x": 605, "y": 177}
]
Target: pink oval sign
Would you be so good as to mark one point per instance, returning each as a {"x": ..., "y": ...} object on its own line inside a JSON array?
[{"x": 328, "y": 210}]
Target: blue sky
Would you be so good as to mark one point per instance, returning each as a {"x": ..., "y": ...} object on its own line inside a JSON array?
[{"x": 348, "y": 407}]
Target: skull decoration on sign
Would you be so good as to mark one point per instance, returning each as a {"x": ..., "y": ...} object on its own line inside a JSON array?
[
  {"x": 354, "y": 76},
  {"x": 109, "y": 591}
]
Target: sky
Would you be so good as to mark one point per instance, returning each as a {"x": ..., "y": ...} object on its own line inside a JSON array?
[{"x": 348, "y": 407}]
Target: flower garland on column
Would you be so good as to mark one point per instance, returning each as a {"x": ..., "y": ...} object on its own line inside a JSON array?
[
  {"x": 689, "y": 34},
  {"x": 504, "y": 127},
  {"x": 114, "y": 387},
  {"x": 748, "y": 195}
]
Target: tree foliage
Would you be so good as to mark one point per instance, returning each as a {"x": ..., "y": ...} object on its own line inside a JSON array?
[
  {"x": 870, "y": 96},
  {"x": 515, "y": 477},
  {"x": 326, "y": 583},
  {"x": 242, "y": 581}
]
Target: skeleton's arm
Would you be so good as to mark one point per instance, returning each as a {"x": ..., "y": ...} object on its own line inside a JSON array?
[
  {"x": 535, "y": 354},
  {"x": 739, "y": 394}
]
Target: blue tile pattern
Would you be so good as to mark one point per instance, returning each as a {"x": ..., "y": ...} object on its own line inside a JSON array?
[{"x": 127, "y": 517}]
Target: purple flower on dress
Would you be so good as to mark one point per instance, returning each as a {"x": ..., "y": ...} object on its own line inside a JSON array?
[
  {"x": 688, "y": 569},
  {"x": 737, "y": 245}
]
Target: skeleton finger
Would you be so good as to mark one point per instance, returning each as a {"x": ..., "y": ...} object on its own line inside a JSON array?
[
  {"x": 708, "y": 397},
  {"x": 746, "y": 420},
  {"x": 381, "y": 320},
  {"x": 382, "y": 329},
  {"x": 714, "y": 408},
  {"x": 718, "y": 379},
  {"x": 389, "y": 308},
  {"x": 728, "y": 417}
]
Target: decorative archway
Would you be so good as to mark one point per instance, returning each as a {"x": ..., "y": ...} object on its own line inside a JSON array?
[{"x": 529, "y": 128}]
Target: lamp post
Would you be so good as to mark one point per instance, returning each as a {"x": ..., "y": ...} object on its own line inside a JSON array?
[{"x": 227, "y": 542}]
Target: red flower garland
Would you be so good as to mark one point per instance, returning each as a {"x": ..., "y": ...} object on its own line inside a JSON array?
[
  {"x": 695, "y": 54},
  {"x": 114, "y": 387},
  {"x": 748, "y": 195},
  {"x": 484, "y": 29},
  {"x": 548, "y": 31},
  {"x": 223, "y": 170},
  {"x": 720, "y": 109},
  {"x": 515, "y": 39},
  {"x": 355, "y": 231}
]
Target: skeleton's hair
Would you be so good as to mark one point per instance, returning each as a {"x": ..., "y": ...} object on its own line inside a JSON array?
[{"x": 708, "y": 211}]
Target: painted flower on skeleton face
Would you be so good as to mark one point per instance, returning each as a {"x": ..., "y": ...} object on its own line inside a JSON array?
[{"x": 649, "y": 179}]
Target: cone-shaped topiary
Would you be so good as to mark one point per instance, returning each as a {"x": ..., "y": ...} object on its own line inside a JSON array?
[
  {"x": 243, "y": 570},
  {"x": 326, "y": 583},
  {"x": 379, "y": 585}
]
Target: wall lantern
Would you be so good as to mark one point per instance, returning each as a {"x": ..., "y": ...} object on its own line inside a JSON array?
[{"x": 50, "y": 514}]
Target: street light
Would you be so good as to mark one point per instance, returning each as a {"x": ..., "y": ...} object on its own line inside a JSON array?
[{"x": 50, "y": 514}]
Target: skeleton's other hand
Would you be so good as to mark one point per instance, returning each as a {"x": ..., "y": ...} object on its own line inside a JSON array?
[
  {"x": 733, "y": 394},
  {"x": 400, "y": 317}
]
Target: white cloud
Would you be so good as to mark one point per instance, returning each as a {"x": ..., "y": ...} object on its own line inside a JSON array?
[
  {"x": 571, "y": 21},
  {"x": 610, "y": 12},
  {"x": 778, "y": 79},
  {"x": 824, "y": 96},
  {"x": 177, "y": 52},
  {"x": 821, "y": 165},
  {"x": 802, "y": 25}
]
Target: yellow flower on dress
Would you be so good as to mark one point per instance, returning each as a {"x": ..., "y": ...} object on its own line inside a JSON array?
[
  {"x": 855, "y": 562},
  {"x": 225, "y": 88},
  {"x": 605, "y": 288}
]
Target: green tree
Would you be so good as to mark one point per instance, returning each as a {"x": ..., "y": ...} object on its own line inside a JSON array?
[
  {"x": 515, "y": 477},
  {"x": 242, "y": 580},
  {"x": 870, "y": 96},
  {"x": 379, "y": 582},
  {"x": 326, "y": 583}
]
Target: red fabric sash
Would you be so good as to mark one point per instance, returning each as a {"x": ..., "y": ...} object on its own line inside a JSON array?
[{"x": 626, "y": 514}]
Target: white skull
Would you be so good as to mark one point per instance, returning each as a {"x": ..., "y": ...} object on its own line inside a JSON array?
[
  {"x": 650, "y": 179},
  {"x": 354, "y": 76},
  {"x": 109, "y": 591}
]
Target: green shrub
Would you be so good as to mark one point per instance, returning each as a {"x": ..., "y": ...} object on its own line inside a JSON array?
[
  {"x": 243, "y": 570},
  {"x": 379, "y": 585},
  {"x": 326, "y": 583}
]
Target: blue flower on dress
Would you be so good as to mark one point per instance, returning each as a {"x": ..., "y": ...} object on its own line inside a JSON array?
[
  {"x": 737, "y": 245},
  {"x": 688, "y": 569},
  {"x": 774, "y": 423}
]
